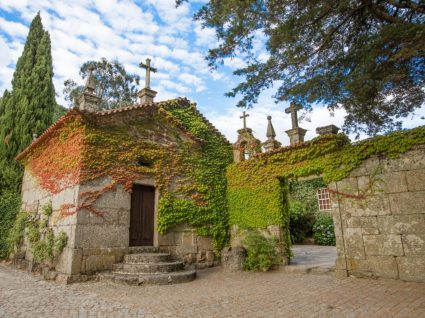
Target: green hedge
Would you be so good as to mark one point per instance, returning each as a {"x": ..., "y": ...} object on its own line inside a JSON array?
[{"x": 9, "y": 207}]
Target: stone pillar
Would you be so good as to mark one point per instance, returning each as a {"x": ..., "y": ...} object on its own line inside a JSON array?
[
  {"x": 327, "y": 130},
  {"x": 88, "y": 100},
  {"x": 146, "y": 95},
  {"x": 271, "y": 142},
  {"x": 296, "y": 135}
]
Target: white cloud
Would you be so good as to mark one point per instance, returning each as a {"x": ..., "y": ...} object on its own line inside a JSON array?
[{"x": 13, "y": 29}]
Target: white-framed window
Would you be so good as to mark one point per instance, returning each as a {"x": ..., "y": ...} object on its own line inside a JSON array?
[{"x": 324, "y": 199}]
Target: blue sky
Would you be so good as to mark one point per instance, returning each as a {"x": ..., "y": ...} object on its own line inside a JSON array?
[{"x": 132, "y": 31}]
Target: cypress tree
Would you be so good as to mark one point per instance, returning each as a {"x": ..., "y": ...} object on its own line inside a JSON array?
[{"x": 28, "y": 109}]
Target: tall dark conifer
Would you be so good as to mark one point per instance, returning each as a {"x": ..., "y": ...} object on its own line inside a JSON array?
[{"x": 28, "y": 109}]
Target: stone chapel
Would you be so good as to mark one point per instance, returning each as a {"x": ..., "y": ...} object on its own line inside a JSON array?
[{"x": 107, "y": 177}]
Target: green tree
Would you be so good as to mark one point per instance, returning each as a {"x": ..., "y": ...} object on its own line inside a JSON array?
[
  {"x": 366, "y": 56},
  {"x": 25, "y": 111},
  {"x": 114, "y": 85},
  {"x": 28, "y": 109}
]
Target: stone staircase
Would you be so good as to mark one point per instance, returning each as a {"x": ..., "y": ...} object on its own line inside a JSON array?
[{"x": 146, "y": 265}]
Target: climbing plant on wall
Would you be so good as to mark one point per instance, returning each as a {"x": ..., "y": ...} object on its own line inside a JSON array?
[
  {"x": 188, "y": 169},
  {"x": 256, "y": 197}
]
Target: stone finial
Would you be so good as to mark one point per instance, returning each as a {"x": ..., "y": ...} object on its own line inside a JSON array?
[
  {"x": 326, "y": 130},
  {"x": 271, "y": 142},
  {"x": 88, "y": 101},
  {"x": 296, "y": 134},
  {"x": 34, "y": 136},
  {"x": 90, "y": 82},
  {"x": 146, "y": 94},
  {"x": 270, "y": 130}
]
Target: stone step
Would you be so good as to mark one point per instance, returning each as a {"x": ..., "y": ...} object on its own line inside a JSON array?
[
  {"x": 150, "y": 279},
  {"x": 164, "y": 267},
  {"x": 307, "y": 269},
  {"x": 138, "y": 258},
  {"x": 142, "y": 249}
]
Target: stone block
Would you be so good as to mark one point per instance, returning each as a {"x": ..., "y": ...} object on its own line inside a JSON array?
[
  {"x": 383, "y": 244},
  {"x": 414, "y": 244},
  {"x": 124, "y": 217},
  {"x": 401, "y": 223},
  {"x": 411, "y": 160},
  {"x": 66, "y": 196},
  {"x": 416, "y": 180},
  {"x": 186, "y": 249},
  {"x": 362, "y": 222},
  {"x": 348, "y": 185},
  {"x": 340, "y": 263},
  {"x": 167, "y": 238},
  {"x": 354, "y": 247},
  {"x": 115, "y": 199},
  {"x": 411, "y": 268},
  {"x": 393, "y": 182},
  {"x": 370, "y": 231},
  {"x": 109, "y": 216},
  {"x": 96, "y": 263},
  {"x": 383, "y": 266},
  {"x": 204, "y": 243},
  {"x": 358, "y": 265},
  {"x": 189, "y": 238},
  {"x": 366, "y": 167},
  {"x": 375, "y": 205},
  {"x": 93, "y": 235},
  {"x": 69, "y": 261},
  {"x": 363, "y": 183},
  {"x": 210, "y": 255},
  {"x": 232, "y": 259},
  {"x": 407, "y": 202}
]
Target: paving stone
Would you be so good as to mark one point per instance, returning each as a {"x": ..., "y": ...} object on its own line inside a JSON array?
[{"x": 215, "y": 293}]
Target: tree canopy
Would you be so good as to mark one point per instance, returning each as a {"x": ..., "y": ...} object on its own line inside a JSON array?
[
  {"x": 114, "y": 85},
  {"x": 365, "y": 56}
]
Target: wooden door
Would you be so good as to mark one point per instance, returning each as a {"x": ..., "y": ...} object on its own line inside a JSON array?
[{"x": 142, "y": 215}]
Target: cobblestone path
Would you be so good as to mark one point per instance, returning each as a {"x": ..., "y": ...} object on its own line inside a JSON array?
[{"x": 213, "y": 294}]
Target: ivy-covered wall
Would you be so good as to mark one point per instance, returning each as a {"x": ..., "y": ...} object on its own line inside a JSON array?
[
  {"x": 169, "y": 143},
  {"x": 257, "y": 188}
]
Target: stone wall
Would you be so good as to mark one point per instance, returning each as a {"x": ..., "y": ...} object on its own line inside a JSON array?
[
  {"x": 34, "y": 198},
  {"x": 95, "y": 243},
  {"x": 183, "y": 242},
  {"x": 381, "y": 233}
]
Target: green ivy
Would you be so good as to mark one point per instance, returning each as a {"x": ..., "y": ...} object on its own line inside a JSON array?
[
  {"x": 256, "y": 197},
  {"x": 43, "y": 243},
  {"x": 207, "y": 208},
  {"x": 16, "y": 233}
]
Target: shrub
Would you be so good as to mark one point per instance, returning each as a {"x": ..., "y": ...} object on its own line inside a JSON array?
[
  {"x": 323, "y": 230},
  {"x": 261, "y": 252},
  {"x": 9, "y": 207},
  {"x": 300, "y": 222}
]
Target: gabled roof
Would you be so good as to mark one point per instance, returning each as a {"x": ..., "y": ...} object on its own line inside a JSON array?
[{"x": 183, "y": 102}]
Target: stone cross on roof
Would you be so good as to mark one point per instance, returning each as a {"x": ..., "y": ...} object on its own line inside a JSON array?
[
  {"x": 148, "y": 68},
  {"x": 244, "y": 116},
  {"x": 292, "y": 109},
  {"x": 270, "y": 130}
]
